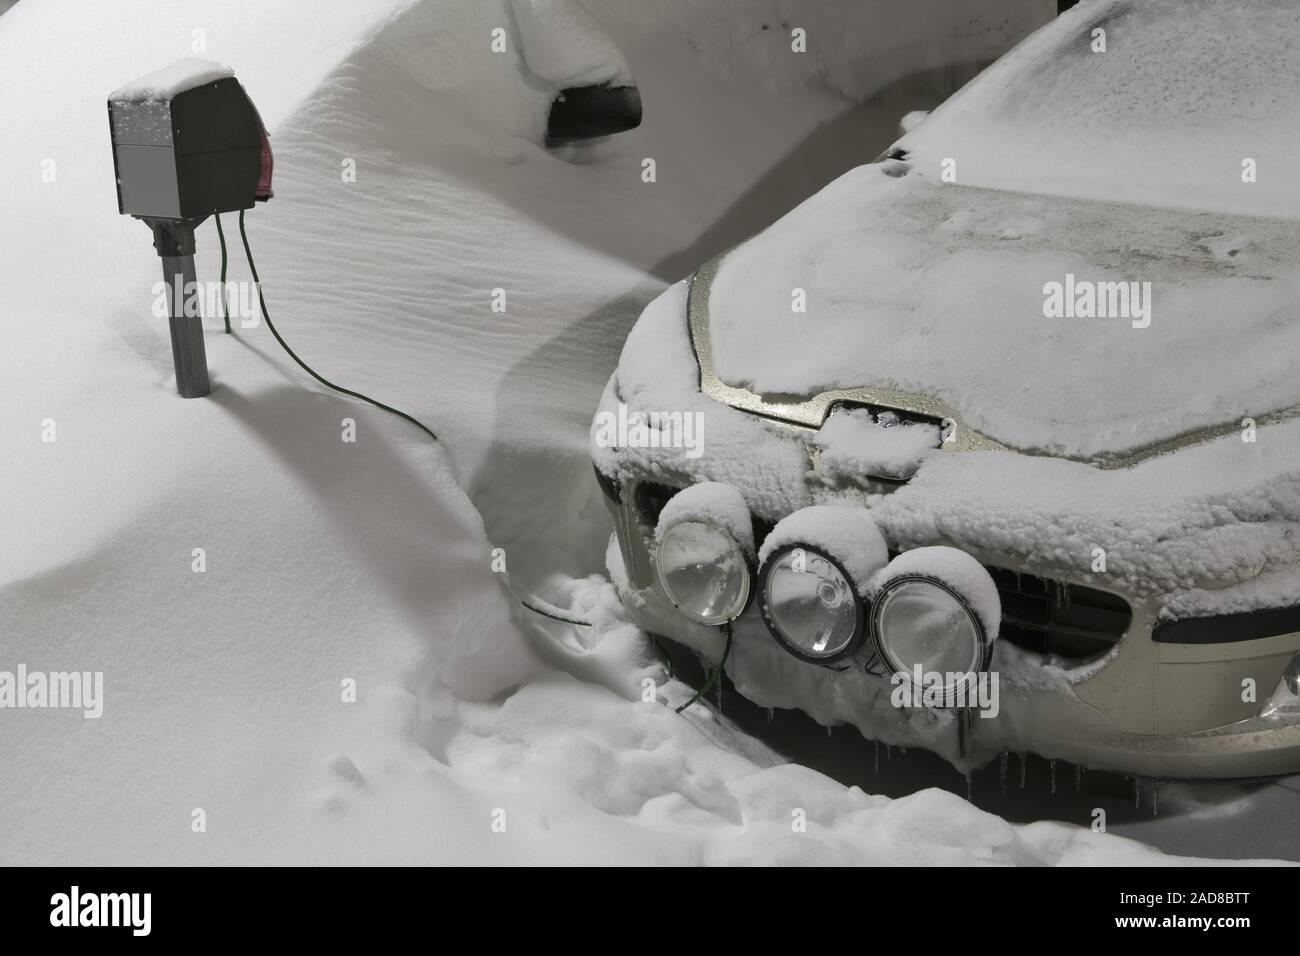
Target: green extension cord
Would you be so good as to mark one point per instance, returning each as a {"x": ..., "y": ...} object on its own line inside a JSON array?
[
  {"x": 534, "y": 605},
  {"x": 714, "y": 674},
  {"x": 248, "y": 253},
  {"x": 668, "y": 661},
  {"x": 225, "y": 310}
]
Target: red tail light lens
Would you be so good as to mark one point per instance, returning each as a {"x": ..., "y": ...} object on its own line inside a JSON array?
[{"x": 264, "y": 191}]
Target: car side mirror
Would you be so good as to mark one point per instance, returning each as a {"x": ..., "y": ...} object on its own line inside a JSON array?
[{"x": 590, "y": 112}]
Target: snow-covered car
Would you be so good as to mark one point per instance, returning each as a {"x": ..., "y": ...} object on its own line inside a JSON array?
[{"x": 993, "y": 444}]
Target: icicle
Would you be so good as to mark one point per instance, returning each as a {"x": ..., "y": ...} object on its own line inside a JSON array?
[
  {"x": 889, "y": 751},
  {"x": 771, "y": 712},
  {"x": 1155, "y": 800},
  {"x": 1024, "y": 765},
  {"x": 970, "y": 787},
  {"x": 876, "y": 746},
  {"x": 1078, "y": 777},
  {"x": 828, "y": 730},
  {"x": 1003, "y": 760},
  {"x": 1051, "y": 770},
  {"x": 1137, "y": 793}
]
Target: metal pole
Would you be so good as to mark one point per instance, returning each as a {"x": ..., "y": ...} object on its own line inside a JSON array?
[
  {"x": 174, "y": 242},
  {"x": 188, "y": 354}
]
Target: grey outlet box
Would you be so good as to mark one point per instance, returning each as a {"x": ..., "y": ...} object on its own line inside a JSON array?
[{"x": 187, "y": 142}]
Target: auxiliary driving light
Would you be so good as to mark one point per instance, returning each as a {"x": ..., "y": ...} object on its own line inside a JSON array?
[
  {"x": 705, "y": 542},
  {"x": 810, "y": 605},
  {"x": 703, "y": 571},
  {"x": 814, "y": 567},
  {"x": 924, "y": 618}
]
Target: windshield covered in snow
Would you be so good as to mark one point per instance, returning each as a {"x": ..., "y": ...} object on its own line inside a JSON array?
[{"x": 1185, "y": 103}]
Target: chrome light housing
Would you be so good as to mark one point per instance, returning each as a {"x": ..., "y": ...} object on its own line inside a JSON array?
[
  {"x": 810, "y": 604},
  {"x": 703, "y": 571}
]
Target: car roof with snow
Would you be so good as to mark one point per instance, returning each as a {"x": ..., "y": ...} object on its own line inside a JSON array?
[{"x": 945, "y": 289}]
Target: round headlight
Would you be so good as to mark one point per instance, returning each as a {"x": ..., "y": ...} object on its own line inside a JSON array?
[
  {"x": 809, "y": 604},
  {"x": 703, "y": 571},
  {"x": 920, "y": 622}
]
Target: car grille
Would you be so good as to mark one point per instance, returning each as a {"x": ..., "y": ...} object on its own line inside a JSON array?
[
  {"x": 1056, "y": 617},
  {"x": 1039, "y": 614},
  {"x": 650, "y": 500}
]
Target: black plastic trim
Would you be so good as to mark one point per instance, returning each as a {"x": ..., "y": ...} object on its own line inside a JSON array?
[
  {"x": 592, "y": 112},
  {"x": 1229, "y": 628},
  {"x": 608, "y": 486}
]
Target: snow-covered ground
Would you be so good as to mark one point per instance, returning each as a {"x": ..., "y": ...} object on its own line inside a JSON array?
[{"x": 476, "y": 735}]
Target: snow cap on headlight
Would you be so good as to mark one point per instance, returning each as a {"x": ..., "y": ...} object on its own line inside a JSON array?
[
  {"x": 847, "y": 534},
  {"x": 959, "y": 571},
  {"x": 713, "y": 503}
]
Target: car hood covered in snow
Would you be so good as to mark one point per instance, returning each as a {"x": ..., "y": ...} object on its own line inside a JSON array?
[{"x": 943, "y": 290}]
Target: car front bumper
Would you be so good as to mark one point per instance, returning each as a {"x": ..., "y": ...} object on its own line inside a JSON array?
[{"x": 1149, "y": 709}]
